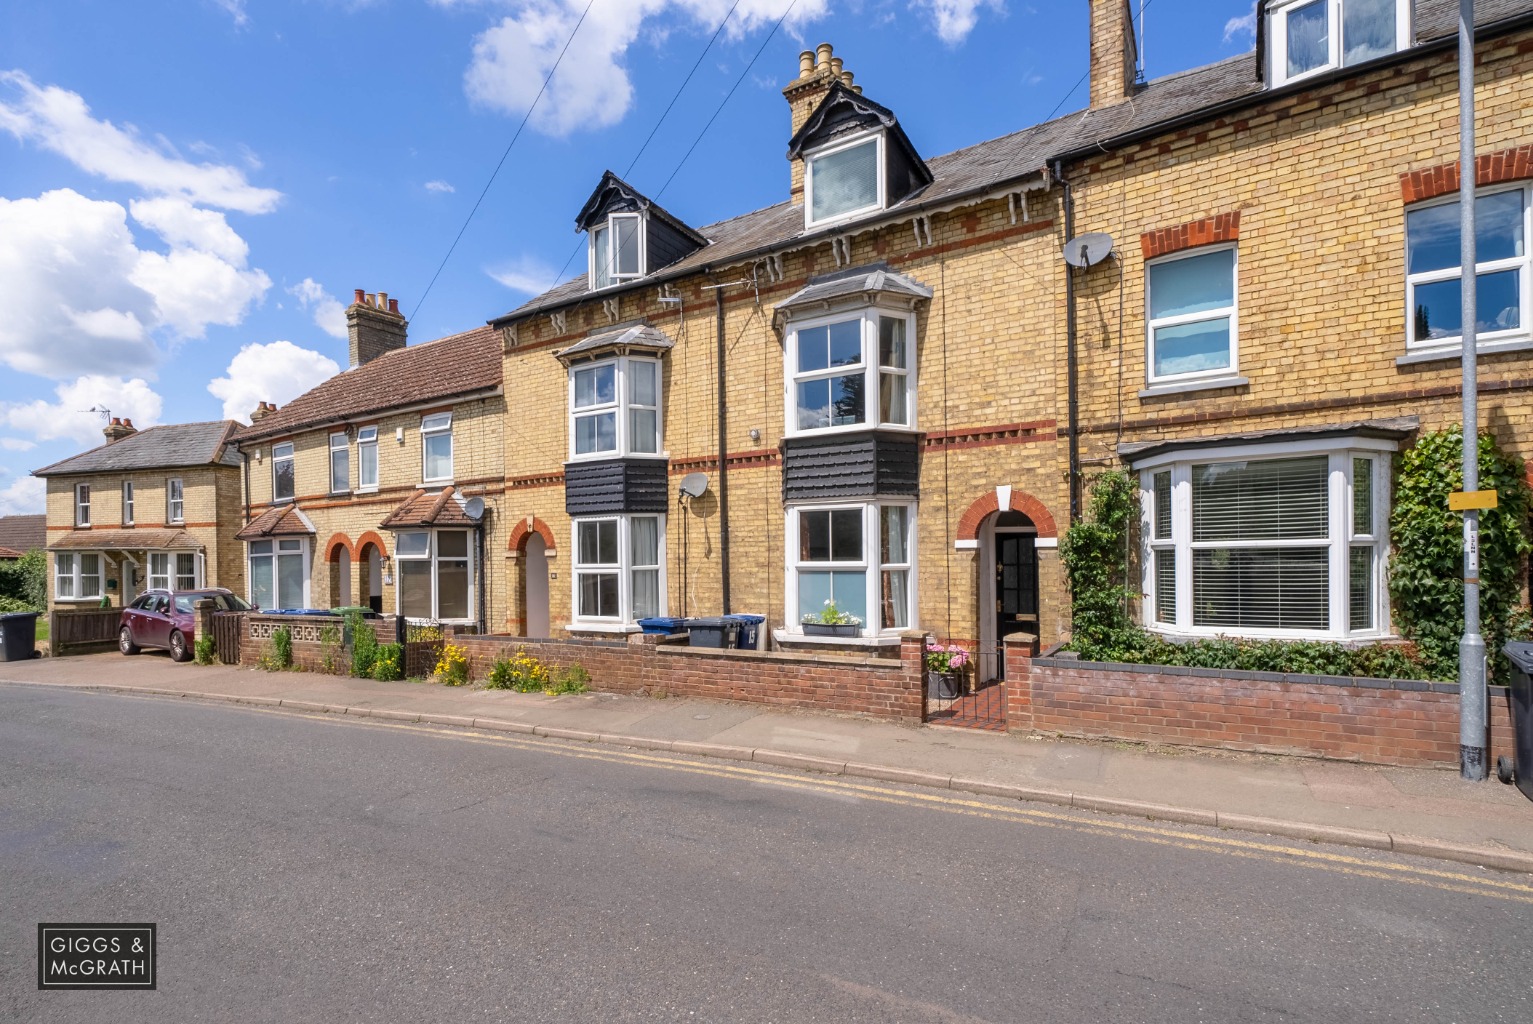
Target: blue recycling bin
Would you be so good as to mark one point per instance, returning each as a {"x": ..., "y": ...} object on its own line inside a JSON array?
[
  {"x": 662, "y": 625},
  {"x": 749, "y": 636}
]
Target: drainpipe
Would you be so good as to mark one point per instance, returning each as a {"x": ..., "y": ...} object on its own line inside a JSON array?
[
  {"x": 1070, "y": 361},
  {"x": 479, "y": 554},
  {"x": 718, "y": 305},
  {"x": 245, "y": 461}
]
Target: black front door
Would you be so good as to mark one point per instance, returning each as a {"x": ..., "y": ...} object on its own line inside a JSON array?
[{"x": 1016, "y": 590}]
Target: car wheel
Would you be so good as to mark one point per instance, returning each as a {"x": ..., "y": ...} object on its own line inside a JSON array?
[
  {"x": 178, "y": 649},
  {"x": 125, "y": 642}
]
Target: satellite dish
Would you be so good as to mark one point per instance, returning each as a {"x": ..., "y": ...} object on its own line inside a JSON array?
[
  {"x": 474, "y": 508},
  {"x": 1088, "y": 250},
  {"x": 694, "y": 485}
]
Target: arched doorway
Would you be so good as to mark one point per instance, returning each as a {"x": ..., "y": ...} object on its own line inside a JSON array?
[
  {"x": 338, "y": 566},
  {"x": 1008, "y": 587},
  {"x": 370, "y": 561},
  {"x": 535, "y": 565}
]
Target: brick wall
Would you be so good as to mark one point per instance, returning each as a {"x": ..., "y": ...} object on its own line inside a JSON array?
[
  {"x": 308, "y": 651},
  {"x": 1400, "y": 722},
  {"x": 883, "y": 687}
]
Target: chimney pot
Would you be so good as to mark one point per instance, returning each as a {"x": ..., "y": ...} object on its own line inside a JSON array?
[
  {"x": 835, "y": 66},
  {"x": 127, "y": 422},
  {"x": 383, "y": 300},
  {"x": 394, "y": 306},
  {"x": 359, "y": 296},
  {"x": 822, "y": 56},
  {"x": 846, "y": 79},
  {"x": 806, "y": 64}
]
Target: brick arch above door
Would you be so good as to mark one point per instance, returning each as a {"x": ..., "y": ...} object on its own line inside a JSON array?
[
  {"x": 1003, "y": 499},
  {"x": 523, "y": 532}
]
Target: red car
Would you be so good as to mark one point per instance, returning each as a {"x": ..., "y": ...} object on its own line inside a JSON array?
[{"x": 167, "y": 618}]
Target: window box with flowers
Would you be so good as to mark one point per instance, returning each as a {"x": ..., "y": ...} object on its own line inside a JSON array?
[
  {"x": 945, "y": 665},
  {"x": 831, "y": 621}
]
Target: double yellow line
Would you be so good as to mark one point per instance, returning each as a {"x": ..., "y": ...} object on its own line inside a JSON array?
[{"x": 1378, "y": 867}]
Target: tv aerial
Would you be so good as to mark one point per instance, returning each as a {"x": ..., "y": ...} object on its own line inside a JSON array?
[{"x": 1088, "y": 250}]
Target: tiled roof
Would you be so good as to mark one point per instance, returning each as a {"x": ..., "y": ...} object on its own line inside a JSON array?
[
  {"x": 23, "y": 533},
  {"x": 163, "y": 447},
  {"x": 10, "y": 553},
  {"x": 628, "y": 336},
  {"x": 277, "y": 521},
  {"x": 860, "y": 281},
  {"x": 1016, "y": 157},
  {"x": 1396, "y": 428},
  {"x": 423, "y": 508},
  {"x": 441, "y": 369},
  {"x": 125, "y": 540}
]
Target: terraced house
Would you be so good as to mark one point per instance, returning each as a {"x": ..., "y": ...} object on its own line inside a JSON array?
[
  {"x": 380, "y": 487},
  {"x": 144, "y": 510}
]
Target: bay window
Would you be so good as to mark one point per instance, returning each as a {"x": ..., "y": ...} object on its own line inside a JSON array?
[
  {"x": 615, "y": 408},
  {"x": 619, "y": 574},
  {"x": 436, "y": 448},
  {"x": 76, "y": 576},
  {"x": 282, "y": 482},
  {"x": 836, "y": 363},
  {"x": 1268, "y": 542},
  {"x": 859, "y": 557},
  {"x": 843, "y": 179},
  {"x": 1310, "y": 36},
  {"x": 617, "y": 250},
  {"x": 1191, "y": 315},
  {"x": 340, "y": 463},
  {"x": 367, "y": 458},
  {"x": 1434, "y": 271},
  {"x": 435, "y": 570},
  {"x": 279, "y": 573}
]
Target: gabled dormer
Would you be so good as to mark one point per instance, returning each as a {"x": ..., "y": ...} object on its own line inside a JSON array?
[
  {"x": 1306, "y": 37},
  {"x": 856, "y": 158},
  {"x": 630, "y": 236}
]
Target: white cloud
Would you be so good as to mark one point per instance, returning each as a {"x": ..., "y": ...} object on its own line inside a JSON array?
[
  {"x": 1242, "y": 29},
  {"x": 275, "y": 372},
  {"x": 236, "y": 10},
  {"x": 23, "y": 496},
  {"x": 60, "y": 120},
  {"x": 591, "y": 88},
  {"x": 329, "y": 314},
  {"x": 524, "y": 274},
  {"x": 955, "y": 19},
  {"x": 16, "y": 444},
  {"x": 70, "y": 417},
  {"x": 439, "y": 186},
  {"x": 194, "y": 289},
  {"x": 184, "y": 226}
]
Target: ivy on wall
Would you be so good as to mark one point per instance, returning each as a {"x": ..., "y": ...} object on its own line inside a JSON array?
[{"x": 1095, "y": 556}]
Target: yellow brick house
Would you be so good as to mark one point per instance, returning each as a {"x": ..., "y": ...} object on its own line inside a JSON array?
[{"x": 381, "y": 486}]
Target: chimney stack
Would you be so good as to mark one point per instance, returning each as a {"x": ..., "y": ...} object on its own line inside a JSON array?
[
  {"x": 818, "y": 70},
  {"x": 373, "y": 326},
  {"x": 119, "y": 429},
  {"x": 1114, "y": 54},
  {"x": 262, "y": 411}
]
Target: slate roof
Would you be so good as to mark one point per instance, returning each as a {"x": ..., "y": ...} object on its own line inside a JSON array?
[
  {"x": 125, "y": 540},
  {"x": 164, "y": 447},
  {"x": 1396, "y": 428},
  {"x": 278, "y": 521},
  {"x": 1023, "y": 155},
  {"x": 424, "y": 508},
  {"x": 859, "y": 281},
  {"x": 456, "y": 365},
  {"x": 626, "y": 336},
  {"x": 23, "y": 533},
  {"x": 596, "y": 207}
]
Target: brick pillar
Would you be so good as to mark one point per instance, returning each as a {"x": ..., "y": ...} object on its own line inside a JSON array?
[
  {"x": 204, "y": 609},
  {"x": 1019, "y": 650},
  {"x": 913, "y": 669}
]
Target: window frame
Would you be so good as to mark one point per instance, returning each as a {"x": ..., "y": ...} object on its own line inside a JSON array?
[
  {"x": 343, "y": 450},
  {"x": 367, "y": 437},
  {"x": 82, "y": 506},
  {"x": 77, "y": 576},
  {"x": 877, "y": 139},
  {"x": 609, "y": 227},
  {"x": 621, "y": 408},
  {"x": 1341, "y": 536},
  {"x": 1522, "y": 264},
  {"x": 870, "y": 564},
  {"x": 1277, "y": 25},
  {"x": 434, "y": 558},
  {"x": 128, "y": 502},
  {"x": 274, "y": 552},
  {"x": 429, "y": 430},
  {"x": 1232, "y": 311},
  {"x": 872, "y": 370},
  {"x": 624, "y": 569},
  {"x": 277, "y": 458},
  {"x": 175, "y": 501}
]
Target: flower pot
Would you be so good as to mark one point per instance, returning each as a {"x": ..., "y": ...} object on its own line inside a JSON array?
[
  {"x": 944, "y": 685},
  {"x": 831, "y": 629}
]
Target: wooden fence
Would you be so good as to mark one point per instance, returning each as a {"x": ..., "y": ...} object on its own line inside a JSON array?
[
  {"x": 79, "y": 630},
  {"x": 228, "y": 629}
]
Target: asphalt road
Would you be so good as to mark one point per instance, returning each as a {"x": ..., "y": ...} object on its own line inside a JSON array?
[{"x": 306, "y": 868}]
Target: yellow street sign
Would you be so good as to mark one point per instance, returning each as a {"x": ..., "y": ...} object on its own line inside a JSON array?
[{"x": 1459, "y": 501}]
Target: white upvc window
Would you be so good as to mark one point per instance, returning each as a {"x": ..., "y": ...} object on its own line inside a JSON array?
[
  {"x": 283, "y": 482},
  {"x": 127, "y": 503},
  {"x": 1191, "y": 315},
  {"x": 616, "y": 252},
  {"x": 615, "y": 408},
  {"x": 436, "y": 448},
  {"x": 174, "y": 570},
  {"x": 279, "y": 573},
  {"x": 175, "y": 501},
  {"x": 1311, "y": 36},
  {"x": 1284, "y": 540},
  {"x": 834, "y": 363},
  {"x": 619, "y": 573},
  {"x": 76, "y": 576},
  {"x": 861, "y": 556},
  {"x": 82, "y": 504},
  {"x": 340, "y": 463},
  {"x": 844, "y": 179},
  {"x": 1433, "y": 272},
  {"x": 367, "y": 458},
  {"x": 435, "y": 571}
]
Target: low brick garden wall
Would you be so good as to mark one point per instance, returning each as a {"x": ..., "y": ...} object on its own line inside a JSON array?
[
  {"x": 1381, "y": 721},
  {"x": 306, "y": 630}
]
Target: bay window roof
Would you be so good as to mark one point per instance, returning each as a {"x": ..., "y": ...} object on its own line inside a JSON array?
[
  {"x": 621, "y": 340},
  {"x": 1392, "y": 429},
  {"x": 858, "y": 285}
]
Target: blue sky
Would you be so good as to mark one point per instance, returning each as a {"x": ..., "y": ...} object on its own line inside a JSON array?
[{"x": 190, "y": 190}]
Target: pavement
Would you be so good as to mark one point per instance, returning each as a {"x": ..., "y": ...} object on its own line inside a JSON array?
[{"x": 1417, "y": 811}]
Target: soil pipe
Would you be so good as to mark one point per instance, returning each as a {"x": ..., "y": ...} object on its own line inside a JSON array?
[
  {"x": 1070, "y": 358},
  {"x": 718, "y": 305}
]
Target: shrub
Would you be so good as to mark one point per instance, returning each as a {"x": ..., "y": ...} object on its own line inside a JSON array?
[
  {"x": 1095, "y": 554},
  {"x": 364, "y": 644},
  {"x": 282, "y": 646},
  {"x": 520, "y": 672},
  {"x": 11, "y": 604},
  {"x": 204, "y": 650},
  {"x": 25, "y": 582},
  {"x": 451, "y": 666},
  {"x": 329, "y": 649},
  {"x": 574, "y": 679},
  {"x": 389, "y": 662}
]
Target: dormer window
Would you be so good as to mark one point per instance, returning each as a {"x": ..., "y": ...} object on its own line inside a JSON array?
[
  {"x": 617, "y": 250},
  {"x": 844, "y": 180},
  {"x": 1310, "y": 36}
]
